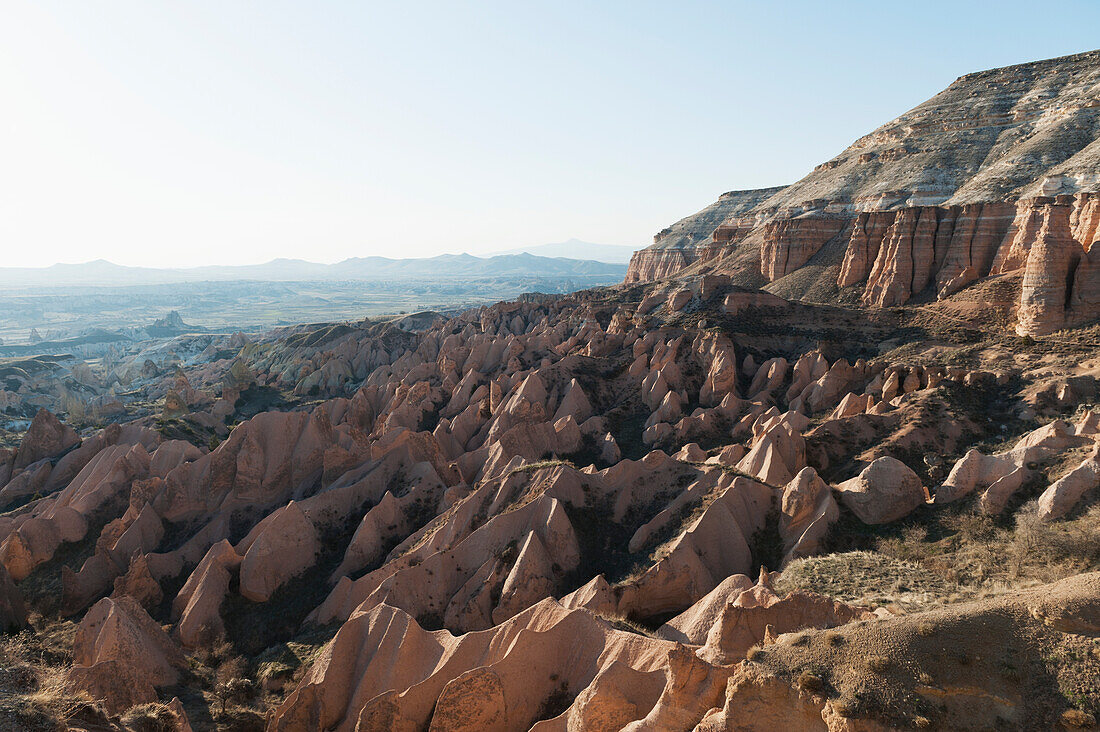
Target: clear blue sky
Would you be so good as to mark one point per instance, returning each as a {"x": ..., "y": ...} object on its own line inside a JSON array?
[{"x": 180, "y": 133}]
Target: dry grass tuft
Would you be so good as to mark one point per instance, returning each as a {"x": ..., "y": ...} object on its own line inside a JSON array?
[
  {"x": 845, "y": 706},
  {"x": 621, "y": 622},
  {"x": 1078, "y": 719},
  {"x": 810, "y": 681},
  {"x": 800, "y": 639},
  {"x": 154, "y": 717},
  {"x": 877, "y": 664},
  {"x": 34, "y": 679}
]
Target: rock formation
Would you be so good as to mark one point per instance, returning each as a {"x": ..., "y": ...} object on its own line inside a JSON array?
[{"x": 924, "y": 208}]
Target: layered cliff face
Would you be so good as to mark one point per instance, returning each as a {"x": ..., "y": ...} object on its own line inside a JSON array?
[
  {"x": 789, "y": 243},
  {"x": 1013, "y": 132},
  {"x": 947, "y": 248},
  {"x": 903, "y": 252},
  {"x": 953, "y": 191},
  {"x": 1061, "y": 280},
  {"x": 691, "y": 239}
]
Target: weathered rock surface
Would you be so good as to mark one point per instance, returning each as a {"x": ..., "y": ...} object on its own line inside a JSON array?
[
  {"x": 926, "y": 205},
  {"x": 789, "y": 243},
  {"x": 120, "y": 654},
  {"x": 683, "y": 243},
  {"x": 884, "y": 491}
]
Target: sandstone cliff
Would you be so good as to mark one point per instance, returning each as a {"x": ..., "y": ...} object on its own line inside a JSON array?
[
  {"x": 689, "y": 239},
  {"x": 996, "y": 174}
]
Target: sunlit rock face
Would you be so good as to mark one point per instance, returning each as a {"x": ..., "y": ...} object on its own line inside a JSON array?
[{"x": 954, "y": 191}]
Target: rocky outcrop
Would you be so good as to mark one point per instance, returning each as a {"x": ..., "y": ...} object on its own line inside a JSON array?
[
  {"x": 650, "y": 265},
  {"x": 945, "y": 195},
  {"x": 807, "y": 509},
  {"x": 789, "y": 243},
  {"x": 281, "y": 547},
  {"x": 905, "y": 258},
  {"x": 1061, "y": 285},
  {"x": 1062, "y": 495},
  {"x": 383, "y": 671},
  {"x": 689, "y": 240},
  {"x": 903, "y": 252},
  {"x": 868, "y": 232},
  {"x": 47, "y": 437},
  {"x": 197, "y": 607},
  {"x": 748, "y": 618},
  {"x": 120, "y": 655}
]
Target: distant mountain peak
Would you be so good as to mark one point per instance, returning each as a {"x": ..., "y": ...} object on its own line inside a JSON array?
[{"x": 574, "y": 248}]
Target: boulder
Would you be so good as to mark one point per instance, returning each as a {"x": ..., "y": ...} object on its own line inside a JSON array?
[
  {"x": 884, "y": 491},
  {"x": 678, "y": 300}
]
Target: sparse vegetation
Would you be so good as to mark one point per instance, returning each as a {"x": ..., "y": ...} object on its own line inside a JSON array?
[
  {"x": 620, "y": 622},
  {"x": 810, "y": 682},
  {"x": 1078, "y": 719},
  {"x": 953, "y": 554}
]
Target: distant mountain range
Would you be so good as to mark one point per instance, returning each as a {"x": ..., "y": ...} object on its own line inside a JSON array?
[
  {"x": 577, "y": 249},
  {"x": 101, "y": 273}
]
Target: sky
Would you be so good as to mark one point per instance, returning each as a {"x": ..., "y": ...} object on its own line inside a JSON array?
[{"x": 177, "y": 134}]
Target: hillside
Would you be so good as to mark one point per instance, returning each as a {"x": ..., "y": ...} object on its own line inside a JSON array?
[{"x": 996, "y": 176}]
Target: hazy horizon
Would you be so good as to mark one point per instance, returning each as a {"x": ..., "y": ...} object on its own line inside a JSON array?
[
  {"x": 306, "y": 260},
  {"x": 214, "y": 134}
]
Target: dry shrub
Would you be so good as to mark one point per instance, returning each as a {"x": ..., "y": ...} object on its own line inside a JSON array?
[
  {"x": 1040, "y": 542},
  {"x": 153, "y": 717},
  {"x": 231, "y": 683},
  {"x": 215, "y": 654}
]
